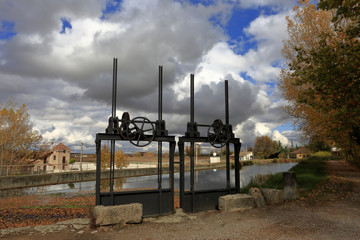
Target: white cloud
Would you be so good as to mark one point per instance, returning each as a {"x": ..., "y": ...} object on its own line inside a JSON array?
[
  {"x": 277, "y": 136},
  {"x": 275, "y": 4},
  {"x": 65, "y": 79}
]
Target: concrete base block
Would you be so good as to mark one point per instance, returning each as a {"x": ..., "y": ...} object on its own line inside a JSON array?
[
  {"x": 120, "y": 214},
  {"x": 236, "y": 202},
  {"x": 272, "y": 196},
  {"x": 290, "y": 186},
  {"x": 257, "y": 195}
]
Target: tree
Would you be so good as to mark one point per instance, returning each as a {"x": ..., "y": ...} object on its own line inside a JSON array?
[
  {"x": 265, "y": 147},
  {"x": 322, "y": 78},
  {"x": 17, "y": 137},
  {"x": 188, "y": 151},
  {"x": 317, "y": 144},
  {"x": 120, "y": 158}
]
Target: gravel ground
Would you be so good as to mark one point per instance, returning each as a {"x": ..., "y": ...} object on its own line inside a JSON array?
[{"x": 331, "y": 212}]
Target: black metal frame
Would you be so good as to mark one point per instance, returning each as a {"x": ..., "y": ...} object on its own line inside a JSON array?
[
  {"x": 161, "y": 200},
  {"x": 202, "y": 200},
  {"x": 155, "y": 201}
]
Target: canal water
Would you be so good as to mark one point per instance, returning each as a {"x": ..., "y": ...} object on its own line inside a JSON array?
[{"x": 204, "y": 179}]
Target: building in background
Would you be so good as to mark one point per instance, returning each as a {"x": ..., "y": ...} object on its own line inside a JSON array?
[
  {"x": 301, "y": 153},
  {"x": 246, "y": 156},
  {"x": 60, "y": 157}
]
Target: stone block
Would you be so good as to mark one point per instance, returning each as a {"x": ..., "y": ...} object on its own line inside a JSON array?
[
  {"x": 290, "y": 186},
  {"x": 236, "y": 202},
  {"x": 258, "y": 197},
  {"x": 7, "y": 231},
  {"x": 272, "y": 196},
  {"x": 120, "y": 214}
]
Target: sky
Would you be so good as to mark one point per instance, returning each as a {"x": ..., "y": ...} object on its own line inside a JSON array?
[{"x": 56, "y": 57}]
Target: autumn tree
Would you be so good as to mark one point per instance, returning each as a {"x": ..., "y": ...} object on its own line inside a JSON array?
[
  {"x": 264, "y": 147},
  {"x": 187, "y": 151},
  {"x": 120, "y": 158},
  {"x": 321, "y": 81},
  {"x": 17, "y": 136}
]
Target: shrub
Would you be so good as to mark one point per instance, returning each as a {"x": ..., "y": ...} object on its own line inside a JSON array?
[{"x": 322, "y": 155}]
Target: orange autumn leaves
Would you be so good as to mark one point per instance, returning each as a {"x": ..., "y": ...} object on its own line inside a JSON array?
[
  {"x": 321, "y": 81},
  {"x": 120, "y": 158},
  {"x": 16, "y": 134}
]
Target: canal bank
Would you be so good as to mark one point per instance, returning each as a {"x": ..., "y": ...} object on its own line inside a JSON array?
[{"x": 24, "y": 181}]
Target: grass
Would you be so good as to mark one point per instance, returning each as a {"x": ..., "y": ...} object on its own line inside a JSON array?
[{"x": 309, "y": 173}]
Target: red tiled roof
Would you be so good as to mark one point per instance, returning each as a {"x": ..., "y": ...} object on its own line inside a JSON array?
[
  {"x": 301, "y": 151},
  {"x": 61, "y": 147}
]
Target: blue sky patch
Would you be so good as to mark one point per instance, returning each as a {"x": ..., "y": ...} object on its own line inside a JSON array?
[
  {"x": 240, "y": 20},
  {"x": 7, "y": 30},
  {"x": 111, "y": 7},
  {"x": 247, "y": 78},
  {"x": 284, "y": 127},
  {"x": 65, "y": 24}
]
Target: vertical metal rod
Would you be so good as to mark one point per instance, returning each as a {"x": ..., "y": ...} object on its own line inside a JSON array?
[
  {"x": 158, "y": 127},
  {"x": 160, "y": 142},
  {"x": 226, "y": 102},
  {"x": 112, "y": 165},
  {"x": 98, "y": 169},
  {"x": 192, "y": 111},
  {"x": 228, "y": 166},
  {"x": 114, "y": 90},
  {"x": 182, "y": 173},
  {"x": 171, "y": 171},
  {"x": 159, "y": 165},
  {"x": 112, "y": 145},
  {"x": 227, "y": 144},
  {"x": 192, "y": 177},
  {"x": 160, "y": 92},
  {"x": 237, "y": 147}
]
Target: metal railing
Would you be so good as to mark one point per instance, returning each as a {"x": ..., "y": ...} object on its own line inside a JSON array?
[{"x": 29, "y": 169}]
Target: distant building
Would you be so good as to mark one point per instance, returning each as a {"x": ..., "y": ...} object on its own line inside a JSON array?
[
  {"x": 336, "y": 151},
  {"x": 214, "y": 158},
  {"x": 246, "y": 156},
  {"x": 301, "y": 153},
  {"x": 243, "y": 156},
  {"x": 39, "y": 160},
  {"x": 60, "y": 157}
]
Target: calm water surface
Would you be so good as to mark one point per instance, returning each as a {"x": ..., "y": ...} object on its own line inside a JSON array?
[{"x": 204, "y": 179}]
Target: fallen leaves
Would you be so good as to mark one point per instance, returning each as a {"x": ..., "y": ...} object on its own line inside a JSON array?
[{"x": 33, "y": 210}]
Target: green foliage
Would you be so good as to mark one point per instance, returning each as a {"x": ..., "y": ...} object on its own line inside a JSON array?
[
  {"x": 243, "y": 163},
  {"x": 345, "y": 9},
  {"x": 283, "y": 154},
  {"x": 273, "y": 181},
  {"x": 308, "y": 174},
  {"x": 72, "y": 161},
  {"x": 317, "y": 144},
  {"x": 322, "y": 154},
  {"x": 323, "y": 78},
  {"x": 265, "y": 147}
]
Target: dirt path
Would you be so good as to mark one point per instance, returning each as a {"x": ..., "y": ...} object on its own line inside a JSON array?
[{"x": 331, "y": 211}]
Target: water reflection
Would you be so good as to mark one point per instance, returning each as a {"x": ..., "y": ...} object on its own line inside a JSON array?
[{"x": 204, "y": 179}]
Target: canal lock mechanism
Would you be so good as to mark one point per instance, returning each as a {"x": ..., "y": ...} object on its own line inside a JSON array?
[{"x": 141, "y": 131}]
